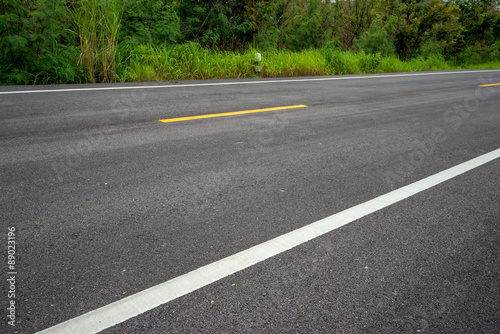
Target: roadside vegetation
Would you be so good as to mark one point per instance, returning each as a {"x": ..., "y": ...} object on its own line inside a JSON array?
[{"x": 80, "y": 41}]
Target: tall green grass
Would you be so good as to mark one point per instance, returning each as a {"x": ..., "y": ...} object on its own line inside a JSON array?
[
  {"x": 187, "y": 61},
  {"x": 98, "y": 23},
  {"x": 190, "y": 61},
  {"x": 277, "y": 63},
  {"x": 350, "y": 63},
  {"x": 488, "y": 65}
]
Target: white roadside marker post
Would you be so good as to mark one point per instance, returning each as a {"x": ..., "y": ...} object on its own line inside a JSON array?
[{"x": 258, "y": 67}]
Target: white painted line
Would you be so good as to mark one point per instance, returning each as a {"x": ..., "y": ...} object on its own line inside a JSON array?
[
  {"x": 331, "y": 78},
  {"x": 129, "y": 307}
]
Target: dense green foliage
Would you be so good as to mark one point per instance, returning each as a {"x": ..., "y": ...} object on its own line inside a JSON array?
[
  {"x": 65, "y": 41},
  {"x": 36, "y": 44}
]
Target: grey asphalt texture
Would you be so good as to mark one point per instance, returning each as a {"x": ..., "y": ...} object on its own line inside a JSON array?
[{"x": 107, "y": 202}]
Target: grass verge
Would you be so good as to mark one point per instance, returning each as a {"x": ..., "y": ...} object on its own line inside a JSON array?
[{"x": 190, "y": 61}]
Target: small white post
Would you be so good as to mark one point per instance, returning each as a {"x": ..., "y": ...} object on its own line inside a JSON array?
[{"x": 258, "y": 59}]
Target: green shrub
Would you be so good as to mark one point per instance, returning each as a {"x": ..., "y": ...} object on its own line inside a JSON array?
[
  {"x": 149, "y": 22},
  {"x": 339, "y": 62},
  {"x": 369, "y": 63},
  {"x": 378, "y": 38},
  {"x": 310, "y": 28},
  {"x": 35, "y": 46},
  {"x": 432, "y": 48}
]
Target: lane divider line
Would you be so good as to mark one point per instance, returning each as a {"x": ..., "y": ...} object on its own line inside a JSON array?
[
  {"x": 134, "y": 305},
  {"x": 180, "y": 119},
  {"x": 253, "y": 82},
  {"x": 496, "y": 84}
]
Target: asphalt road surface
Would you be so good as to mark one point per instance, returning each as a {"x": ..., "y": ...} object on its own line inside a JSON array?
[{"x": 101, "y": 201}]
